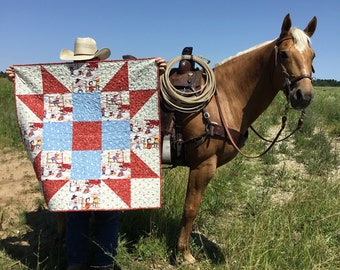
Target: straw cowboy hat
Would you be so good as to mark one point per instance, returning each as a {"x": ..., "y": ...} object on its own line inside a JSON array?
[{"x": 85, "y": 49}]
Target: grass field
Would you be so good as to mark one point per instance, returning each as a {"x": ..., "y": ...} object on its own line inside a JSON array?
[{"x": 280, "y": 211}]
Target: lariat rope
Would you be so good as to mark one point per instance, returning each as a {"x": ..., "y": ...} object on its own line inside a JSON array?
[{"x": 198, "y": 99}]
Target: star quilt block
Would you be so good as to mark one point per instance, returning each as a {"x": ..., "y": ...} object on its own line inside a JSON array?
[{"x": 91, "y": 130}]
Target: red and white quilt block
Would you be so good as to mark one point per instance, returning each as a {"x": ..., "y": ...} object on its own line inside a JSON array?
[{"x": 91, "y": 130}]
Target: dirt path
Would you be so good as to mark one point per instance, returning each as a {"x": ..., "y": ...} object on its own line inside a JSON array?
[
  {"x": 19, "y": 189},
  {"x": 26, "y": 226},
  {"x": 17, "y": 179}
]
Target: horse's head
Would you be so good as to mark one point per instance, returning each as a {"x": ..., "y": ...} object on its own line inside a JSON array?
[{"x": 295, "y": 56}]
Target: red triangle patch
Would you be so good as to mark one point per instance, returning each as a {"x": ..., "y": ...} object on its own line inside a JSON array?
[
  {"x": 51, "y": 85},
  {"x": 51, "y": 187},
  {"x": 37, "y": 166},
  {"x": 138, "y": 100},
  {"x": 35, "y": 103},
  {"x": 119, "y": 81},
  {"x": 140, "y": 168},
  {"x": 122, "y": 188}
]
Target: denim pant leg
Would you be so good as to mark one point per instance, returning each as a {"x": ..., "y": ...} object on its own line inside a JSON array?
[
  {"x": 77, "y": 237},
  {"x": 106, "y": 237}
]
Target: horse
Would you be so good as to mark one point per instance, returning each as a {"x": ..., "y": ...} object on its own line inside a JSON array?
[{"x": 246, "y": 84}]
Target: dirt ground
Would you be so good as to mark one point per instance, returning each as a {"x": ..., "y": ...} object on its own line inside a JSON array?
[
  {"x": 19, "y": 186},
  {"x": 19, "y": 191},
  {"x": 26, "y": 226}
]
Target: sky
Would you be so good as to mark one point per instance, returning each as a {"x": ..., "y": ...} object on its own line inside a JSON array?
[{"x": 36, "y": 31}]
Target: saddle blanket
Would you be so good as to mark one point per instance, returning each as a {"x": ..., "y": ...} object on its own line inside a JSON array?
[{"x": 91, "y": 130}]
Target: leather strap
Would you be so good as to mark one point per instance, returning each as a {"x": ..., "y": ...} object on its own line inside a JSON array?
[{"x": 238, "y": 137}]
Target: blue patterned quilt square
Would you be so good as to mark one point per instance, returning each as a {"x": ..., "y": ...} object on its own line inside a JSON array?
[
  {"x": 86, "y": 107},
  {"x": 115, "y": 135},
  {"x": 57, "y": 136},
  {"x": 86, "y": 165}
]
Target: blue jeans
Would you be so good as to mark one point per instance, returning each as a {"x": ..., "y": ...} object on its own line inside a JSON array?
[{"x": 104, "y": 241}]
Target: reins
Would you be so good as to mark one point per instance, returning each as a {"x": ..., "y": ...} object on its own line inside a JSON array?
[
  {"x": 283, "y": 125},
  {"x": 298, "y": 126},
  {"x": 288, "y": 83}
]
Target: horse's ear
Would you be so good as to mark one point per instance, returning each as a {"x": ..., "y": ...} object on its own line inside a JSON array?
[
  {"x": 286, "y": 25},
  {"x": 310, "y": 29}
]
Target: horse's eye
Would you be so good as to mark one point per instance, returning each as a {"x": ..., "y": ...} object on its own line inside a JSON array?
[{"x": 283, "y": 54}]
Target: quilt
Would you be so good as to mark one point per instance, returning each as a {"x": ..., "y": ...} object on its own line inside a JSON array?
[{"x": 91, "y": 130}]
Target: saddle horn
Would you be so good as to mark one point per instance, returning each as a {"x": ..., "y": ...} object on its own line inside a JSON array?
[{"x": 184, "y": 65}]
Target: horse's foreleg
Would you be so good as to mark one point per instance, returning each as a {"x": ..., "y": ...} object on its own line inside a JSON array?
[{"x": 198, "y": 180}]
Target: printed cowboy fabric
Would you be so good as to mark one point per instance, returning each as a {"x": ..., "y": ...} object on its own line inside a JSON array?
[{"x": 91, "y": 130}]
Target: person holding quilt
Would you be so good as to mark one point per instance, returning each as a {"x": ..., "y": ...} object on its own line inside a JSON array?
[{"x": 105, "y": 223}]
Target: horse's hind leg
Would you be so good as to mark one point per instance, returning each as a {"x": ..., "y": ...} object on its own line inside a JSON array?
[{"x": 198, "y": 180}]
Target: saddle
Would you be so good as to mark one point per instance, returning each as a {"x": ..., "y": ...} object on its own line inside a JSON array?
[
  {"x": 188, "y": 80},
  {"x": 186, "y": 77}
]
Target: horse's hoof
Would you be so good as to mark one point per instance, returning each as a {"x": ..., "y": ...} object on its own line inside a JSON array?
[{"x": 188, "y": 259}]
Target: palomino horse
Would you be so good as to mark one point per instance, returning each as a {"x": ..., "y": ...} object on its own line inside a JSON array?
[{"x": 245, "y": 86}]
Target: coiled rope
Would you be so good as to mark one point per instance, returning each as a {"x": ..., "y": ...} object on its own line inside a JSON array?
[{"x": 198, "y": 99}]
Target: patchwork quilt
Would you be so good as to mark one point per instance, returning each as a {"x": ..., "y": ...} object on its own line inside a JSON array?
[{"x": 91, "y": 130}]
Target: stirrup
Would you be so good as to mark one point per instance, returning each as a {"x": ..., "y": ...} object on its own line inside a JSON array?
[{"x": 166, "y": 149}]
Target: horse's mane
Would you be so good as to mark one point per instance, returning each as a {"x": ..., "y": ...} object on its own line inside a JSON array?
[
  {"x": 243, "y": 52},
  {"x": 301, "y": 40}
]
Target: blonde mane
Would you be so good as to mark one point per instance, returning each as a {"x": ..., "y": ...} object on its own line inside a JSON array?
[
  {"x": 243, "y": 52},
  {"x": 301, "y": 40}
]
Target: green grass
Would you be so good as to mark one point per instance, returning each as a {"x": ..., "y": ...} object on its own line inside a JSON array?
[
  {"x": 9, "y": 131},
  {"x": 280, "y": 211}
]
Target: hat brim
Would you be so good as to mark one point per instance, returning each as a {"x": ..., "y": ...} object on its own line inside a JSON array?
[
  {"x": 67, "y": 55},
  {"x": 103, "y": 54}
]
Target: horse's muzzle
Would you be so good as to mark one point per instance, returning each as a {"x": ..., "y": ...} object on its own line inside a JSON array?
[{"x": 301, "y": 97}]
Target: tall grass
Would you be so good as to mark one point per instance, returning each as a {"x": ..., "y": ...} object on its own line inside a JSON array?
[
  {"x": 9, "y": 132},
  {"x": 277, "y": 212}
]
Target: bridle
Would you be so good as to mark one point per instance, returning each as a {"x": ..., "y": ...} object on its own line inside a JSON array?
[{"x": 290, "y": 81}]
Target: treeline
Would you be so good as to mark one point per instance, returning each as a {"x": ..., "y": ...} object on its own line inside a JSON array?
[
  {"x": 323, "y": 82},
  {"x": 316, "y": 82}
]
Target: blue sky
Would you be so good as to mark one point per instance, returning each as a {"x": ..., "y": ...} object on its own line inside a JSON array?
[{"x": 36, "y": 31}]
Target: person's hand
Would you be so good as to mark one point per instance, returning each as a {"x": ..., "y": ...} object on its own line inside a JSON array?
[
  {"x": 10, "y": 73},
  {"x": 161, "y": 65}
]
